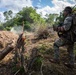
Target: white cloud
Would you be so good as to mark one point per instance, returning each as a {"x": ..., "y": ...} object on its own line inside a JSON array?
[
  {"x": 1, "y": 17},
  {"x": 47, "y": 10},
  {"x": 73, "y": 0},
  {"x": 39, "y": 0},
  {"x": 59, "y": 5},
  {"x": 14, "y": 5},
  {"x": 38, "y": 6}
]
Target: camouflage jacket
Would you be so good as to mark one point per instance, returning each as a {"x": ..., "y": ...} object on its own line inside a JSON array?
[
  {"x": 67, "y": 26},
  {"x": 67, "y": 23}
]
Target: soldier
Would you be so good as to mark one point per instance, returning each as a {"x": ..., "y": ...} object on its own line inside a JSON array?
[{"x": 64, "y": 38}]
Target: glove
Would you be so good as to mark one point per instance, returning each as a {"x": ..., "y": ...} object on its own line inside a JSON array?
[{"x": 60, "y": 29}]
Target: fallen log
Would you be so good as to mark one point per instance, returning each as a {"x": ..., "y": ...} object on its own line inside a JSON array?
[
  {"x": 9, "y": 48},
  {"x": 4, "y": 52}
]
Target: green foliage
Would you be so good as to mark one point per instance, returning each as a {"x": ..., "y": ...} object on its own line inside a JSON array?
[
  {"x": 51, "y": 18},
  {"x": 7, "y": 28},
  {"x": 20, "y": 70},
  {"x": 27, "y": 25},
  {"x": 60, "y": 18},
  {"x": 1, "y": 26},
  {"x": 28, "y": 15},
  {"x": 42, "y": 48},
  {"x": 37, "y": 62},
  {"x": 8, "y": 14}
]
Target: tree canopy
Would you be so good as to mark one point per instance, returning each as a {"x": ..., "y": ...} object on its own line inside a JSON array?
[{"x": 28, "y": 15}]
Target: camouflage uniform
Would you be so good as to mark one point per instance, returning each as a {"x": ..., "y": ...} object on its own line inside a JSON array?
[{"x": 63, "y": 41}]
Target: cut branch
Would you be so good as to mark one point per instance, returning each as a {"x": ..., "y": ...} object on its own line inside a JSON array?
[{"x": 4, "y": 52}]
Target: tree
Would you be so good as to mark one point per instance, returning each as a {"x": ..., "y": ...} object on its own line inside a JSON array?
[
  {"x": 51, "y": 18},
  {"x": 1, "y": 26},
  {"x": 8, "y": 15},
  {"x": 28, "y": 15}
]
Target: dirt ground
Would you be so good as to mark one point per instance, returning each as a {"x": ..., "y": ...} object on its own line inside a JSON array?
[
  {"x": 46, "y": 47},
  {"x": 7, "y": 38}
]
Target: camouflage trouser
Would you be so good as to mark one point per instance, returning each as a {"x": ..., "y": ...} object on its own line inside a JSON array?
[{"x": 58, "y": 43}]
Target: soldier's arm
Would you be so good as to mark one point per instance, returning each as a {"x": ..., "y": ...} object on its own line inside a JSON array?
[{"x": 67, "y": 23}]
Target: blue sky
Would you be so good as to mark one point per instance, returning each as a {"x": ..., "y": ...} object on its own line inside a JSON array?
[
  {"x": 44, "y": 6},
  {"x": 43, "y": 3}
]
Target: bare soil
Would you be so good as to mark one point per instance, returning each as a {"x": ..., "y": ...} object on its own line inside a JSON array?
[{"x": 46, "y": 47}]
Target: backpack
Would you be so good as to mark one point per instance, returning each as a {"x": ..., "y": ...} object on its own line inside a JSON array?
[
  {"x": 73, "y": 28},
  {"x": 74, "y": 20},
  {"x": 74, "y": 23}
]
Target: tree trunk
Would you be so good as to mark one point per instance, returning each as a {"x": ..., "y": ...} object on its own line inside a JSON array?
[{"x": 4, "y": 52}]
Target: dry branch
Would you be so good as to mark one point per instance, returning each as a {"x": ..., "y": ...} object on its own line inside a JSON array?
[
  {"x": 4, "y": 52},
  {"x": 9, "y": 48}
]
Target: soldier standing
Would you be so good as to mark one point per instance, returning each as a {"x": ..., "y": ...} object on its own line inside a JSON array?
[{"x": 64, "y": 38}]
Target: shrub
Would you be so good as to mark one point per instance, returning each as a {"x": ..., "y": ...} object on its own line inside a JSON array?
[{"x": 42, "y": 32}]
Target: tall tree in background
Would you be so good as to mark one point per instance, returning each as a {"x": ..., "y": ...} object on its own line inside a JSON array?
[
  {"x": 51, "y": 18},
  {"x": 8, "y": 15},
  {"x": 27, "y": 14}
]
